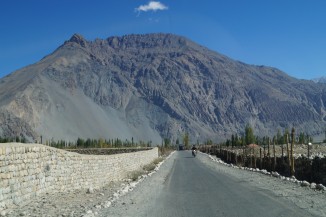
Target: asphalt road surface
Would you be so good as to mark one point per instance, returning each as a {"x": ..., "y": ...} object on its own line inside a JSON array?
[{"x": 187, "y": 186}]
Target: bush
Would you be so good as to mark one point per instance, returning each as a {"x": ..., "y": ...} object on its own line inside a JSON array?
[
  {"x": 158, "y": 160},
  {"x": 135, "y": 174},
  {"x": 149, "y": 167}
]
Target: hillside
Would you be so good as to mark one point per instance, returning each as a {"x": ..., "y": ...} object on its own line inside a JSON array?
[{"x": 151, "y": 87}]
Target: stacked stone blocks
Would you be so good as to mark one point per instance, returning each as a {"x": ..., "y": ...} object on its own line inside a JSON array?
[{"x": 30, "y": 170}]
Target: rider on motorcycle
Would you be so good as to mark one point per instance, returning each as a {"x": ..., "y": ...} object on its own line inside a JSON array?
[{"x": 194, "y": 151}]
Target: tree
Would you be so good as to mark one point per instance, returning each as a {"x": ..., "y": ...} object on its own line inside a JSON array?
[
  {"x": 301, "y": 138},
  {"x": 167, "y": 142},
  {"x": 80, "y": 142},
  {"x": 249, "y": 135},
  {"x": 186, "y": 140},
  {"x": 286, "y": 136},
  {"x": 233, "y": 142},
  {"x": 209, "y": 142},
  {"x": 237, "y": 140},
  {"x": 101, "y": 143},
  {"x": 279, "y": 137}
]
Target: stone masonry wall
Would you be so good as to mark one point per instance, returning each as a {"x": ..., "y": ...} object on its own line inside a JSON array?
[{"x": 29, "y": 170}]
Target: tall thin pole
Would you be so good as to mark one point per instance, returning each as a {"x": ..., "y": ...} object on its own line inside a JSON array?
[
  {"x": 274, "y": 164},
  {"x": 269, "y": 154},
  {"x": 292, "y": 159},
  {"x": 288, "y": 151}
]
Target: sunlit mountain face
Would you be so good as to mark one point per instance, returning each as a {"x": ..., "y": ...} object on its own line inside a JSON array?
[{"x": 153, "y": 86}]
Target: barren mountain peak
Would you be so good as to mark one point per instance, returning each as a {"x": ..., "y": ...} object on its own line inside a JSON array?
[
  {"x": 153, "y": 40},
  {"x": 153, "y": 86},
  {"x": 79, "y": 39}
]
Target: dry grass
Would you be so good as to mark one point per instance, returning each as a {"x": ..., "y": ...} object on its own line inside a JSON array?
[
  {"x": 145, "y": 170},
  {"x": 158, "y": 160},
  {"x": 136, "y": 174},
  {"x": 149, "y": 167},
  {"x": 164, "y": 151}
]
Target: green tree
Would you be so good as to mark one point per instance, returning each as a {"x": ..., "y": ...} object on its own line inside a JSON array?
[
  {"x": 233, "y": 141},
  {"x": 301, "y": 138},
  {"x": 167, "y": 142},
  {"x": 186, "y": 140},
  {"x": 249, "y": 135},
  {"x": 209, "y": 142},
  {"x": 279, "y": 137},
  {"x": 80, "y": 142}
]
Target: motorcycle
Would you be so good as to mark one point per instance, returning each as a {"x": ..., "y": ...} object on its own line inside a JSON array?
[{"x": 193, "y": 153}]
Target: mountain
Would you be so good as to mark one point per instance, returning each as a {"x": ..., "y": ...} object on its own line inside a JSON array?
[
  {"x": 320, "y": 80},
  {"x": 150, "y": 87}
]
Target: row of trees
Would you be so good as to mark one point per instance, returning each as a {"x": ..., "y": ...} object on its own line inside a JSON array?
[
  {"x": 15, "y": 139},
  {"x": 97, "y": 143},
  {"x": 235, "y": 140},
  {"x": 250, "y": 138}
]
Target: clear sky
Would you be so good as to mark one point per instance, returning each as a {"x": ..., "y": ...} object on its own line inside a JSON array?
[{"x": 286, "y": 34}]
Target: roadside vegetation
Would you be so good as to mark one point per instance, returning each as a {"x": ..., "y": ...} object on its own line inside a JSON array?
[
  {"x": 289, "y": 154},
  {"x": 14, "y": 139},
  {"x": 134, "y": 176},
  {"x": 280, "y": 138}
]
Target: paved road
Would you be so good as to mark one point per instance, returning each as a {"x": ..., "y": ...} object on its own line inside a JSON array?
[{"x": 186, "y": 186}]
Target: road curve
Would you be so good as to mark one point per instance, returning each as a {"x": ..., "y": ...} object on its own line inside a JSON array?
[{"x": 187, "y": 186}]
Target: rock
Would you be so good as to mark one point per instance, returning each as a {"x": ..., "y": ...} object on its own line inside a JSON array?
[
  {"x": 108, "y": 204},
  {"x": 313, "y": 185},
  {"x": 320, "y": 187},
  {"x": 3, "y": 213},
  {"x": 90, "y": 190},
  {"x": 305, "y": 184},
  {"x": 275, "y": 174}
]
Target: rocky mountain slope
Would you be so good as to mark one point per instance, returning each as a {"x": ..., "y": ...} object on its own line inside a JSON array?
[
  {"x": 320, "y": 80},
  {"x": 151, "y": 87}
]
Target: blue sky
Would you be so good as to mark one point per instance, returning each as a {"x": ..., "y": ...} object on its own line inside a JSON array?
[{"x": 286, "y": 34}]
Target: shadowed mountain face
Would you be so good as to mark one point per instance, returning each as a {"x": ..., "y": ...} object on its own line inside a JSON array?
[{"x": 151, "y": 87}]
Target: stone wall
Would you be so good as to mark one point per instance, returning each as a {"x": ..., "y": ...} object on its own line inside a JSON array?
[{"x": 29, "y": 170}]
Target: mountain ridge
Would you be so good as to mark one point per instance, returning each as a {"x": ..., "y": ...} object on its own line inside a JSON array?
[
  {"x": 154, "y": 86},
  {"x": 320, "y": 80}
]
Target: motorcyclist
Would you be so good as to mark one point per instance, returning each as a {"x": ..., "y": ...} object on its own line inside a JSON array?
[{"x": 194, "y": 151}]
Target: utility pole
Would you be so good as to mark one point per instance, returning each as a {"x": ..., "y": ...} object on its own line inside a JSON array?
[
  {"x": 292, "y": 159},
  {"x": 309, "y": 145},
  {"x": 274, "y": 164},
  {"x": 288, "y": 151}
]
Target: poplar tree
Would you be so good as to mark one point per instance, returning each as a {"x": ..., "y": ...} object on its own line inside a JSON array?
[{"x": 249, "y": 135}]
